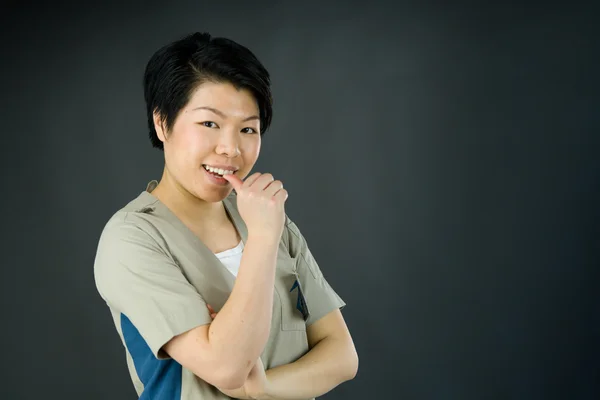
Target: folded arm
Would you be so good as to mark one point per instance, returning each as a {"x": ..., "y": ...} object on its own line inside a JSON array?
[
  {"x": 331, "y": 360},
  {"x": 218, "y": 353}
]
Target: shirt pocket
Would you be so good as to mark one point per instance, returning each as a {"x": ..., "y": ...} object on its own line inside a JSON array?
[{"x": 289, "y": 291}]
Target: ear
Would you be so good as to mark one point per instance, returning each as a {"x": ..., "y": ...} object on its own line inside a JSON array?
[{"x": 158, "y": 126}]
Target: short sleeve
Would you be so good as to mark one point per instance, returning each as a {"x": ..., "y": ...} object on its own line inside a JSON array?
[
  {"x": 320, "y": 297},
  {"x": 139, "y": 279}
]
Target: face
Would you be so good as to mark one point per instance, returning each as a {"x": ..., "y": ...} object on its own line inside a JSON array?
[{"x": 217, "y": 130}]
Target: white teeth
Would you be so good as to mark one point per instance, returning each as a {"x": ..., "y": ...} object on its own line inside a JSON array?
[{"x": 218, "y": 170}]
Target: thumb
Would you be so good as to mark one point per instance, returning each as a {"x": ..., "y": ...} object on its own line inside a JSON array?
[{"x": 234, "y": 180}]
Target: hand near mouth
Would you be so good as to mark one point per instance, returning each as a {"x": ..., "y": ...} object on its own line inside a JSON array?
[{"x": 261, "y": 201}]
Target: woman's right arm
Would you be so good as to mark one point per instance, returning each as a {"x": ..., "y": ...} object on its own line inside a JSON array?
[{"x": 224, "y": 352}]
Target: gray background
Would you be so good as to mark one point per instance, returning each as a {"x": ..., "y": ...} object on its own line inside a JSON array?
[{"x": 442, "y": 162}]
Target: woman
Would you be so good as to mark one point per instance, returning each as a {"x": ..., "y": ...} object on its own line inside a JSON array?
[{"x": 215, "y": 293}]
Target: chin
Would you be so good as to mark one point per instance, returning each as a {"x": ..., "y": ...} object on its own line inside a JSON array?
[{"x": 212, "y": 196}]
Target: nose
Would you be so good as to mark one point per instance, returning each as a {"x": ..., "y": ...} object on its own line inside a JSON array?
[{"x": 228, "y": 144}]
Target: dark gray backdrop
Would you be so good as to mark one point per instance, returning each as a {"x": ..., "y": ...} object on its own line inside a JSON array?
[{"x": 442, "y": 162}]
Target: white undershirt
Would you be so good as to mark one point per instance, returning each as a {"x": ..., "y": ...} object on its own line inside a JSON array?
[{"x": 232, "y": 258}]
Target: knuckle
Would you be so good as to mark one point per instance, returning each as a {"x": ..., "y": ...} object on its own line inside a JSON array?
[{"x": 251, "y": 178}]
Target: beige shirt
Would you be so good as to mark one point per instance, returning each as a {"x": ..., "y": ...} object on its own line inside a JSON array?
[{"x": 156, "y": 277}]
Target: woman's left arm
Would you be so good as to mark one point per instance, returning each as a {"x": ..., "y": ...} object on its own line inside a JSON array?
[{"x": 331, "y": 360}]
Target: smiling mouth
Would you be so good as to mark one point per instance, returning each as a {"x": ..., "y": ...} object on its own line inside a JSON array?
[{"x": 218, "y": 171}]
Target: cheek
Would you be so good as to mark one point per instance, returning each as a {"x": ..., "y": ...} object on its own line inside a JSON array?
[
  {"x": 187, "y": 148},
  {"x": 251, "y": 149},
  {"x": 194, "y": 144}
]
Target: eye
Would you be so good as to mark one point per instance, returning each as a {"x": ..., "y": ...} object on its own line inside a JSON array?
[
  {"x": 209, "y": 124},
  {"x": 249, "y": 130}
]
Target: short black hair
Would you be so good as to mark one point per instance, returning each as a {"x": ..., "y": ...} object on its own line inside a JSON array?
[{"x": 177, "y": 69}]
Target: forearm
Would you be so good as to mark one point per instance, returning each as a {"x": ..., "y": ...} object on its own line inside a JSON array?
[
  {"x": 328, "y": 364},
  {"x": 241, "y": 328}
]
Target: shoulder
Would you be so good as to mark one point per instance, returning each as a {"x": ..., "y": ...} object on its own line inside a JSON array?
[
  {"x": 291, "y": 229},
  {"x": 292, "y": 238},
  {"x": 133, "y": 222},
  {"x": 130, "y": 243}
]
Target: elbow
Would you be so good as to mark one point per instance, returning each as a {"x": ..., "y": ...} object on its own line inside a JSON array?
[
  {"x": 228, "y": 383},
  {"x": 351, "y": 367},
  {"x": 230, "y": 377}
]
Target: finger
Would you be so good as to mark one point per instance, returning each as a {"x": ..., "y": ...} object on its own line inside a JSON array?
[
  {"x": 213, "y": 315},
  {"x": 281, "y": 195},
  {"x": 262, "y": 182},
  {"x": 273, "y": 188},
  {"x": 249, "y": 181},
  {"x": 210, "y": 308},
  {"x": 234, "y": 180}
]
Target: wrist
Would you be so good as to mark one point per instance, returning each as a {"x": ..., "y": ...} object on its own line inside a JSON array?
[
  {"x": 263, "y": 392},
  {"x": 264, "y": 238}
]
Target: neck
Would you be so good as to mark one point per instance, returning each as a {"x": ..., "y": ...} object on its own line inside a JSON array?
[{"x": 185, "y": 205}]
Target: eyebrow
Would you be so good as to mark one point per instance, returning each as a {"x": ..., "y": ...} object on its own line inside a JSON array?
[{"x": 222, "y": 114}]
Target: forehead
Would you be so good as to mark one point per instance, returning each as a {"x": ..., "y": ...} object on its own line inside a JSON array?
[{"x": 225, "y": 97}]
